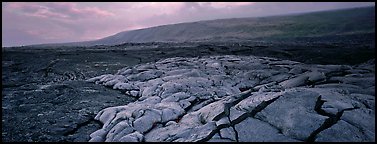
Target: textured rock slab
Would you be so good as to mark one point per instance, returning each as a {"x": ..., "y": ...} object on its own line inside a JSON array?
[
  {"x": 341, "y": 132},
  {"x": 369, "y": 101},
  {"x": 237, "y": 98},
  {"x": 254, "y": 130},
  {"x": 364, "y": 120},
  {"x": 294, "y": 113},
  {"x": 251, "y": 102}
]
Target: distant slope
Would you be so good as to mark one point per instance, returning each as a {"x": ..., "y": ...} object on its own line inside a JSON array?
[{"x": 326, "y": 23}]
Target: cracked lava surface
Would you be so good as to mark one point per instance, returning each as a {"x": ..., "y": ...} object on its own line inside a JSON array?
[{"x": 239, "y": 98}]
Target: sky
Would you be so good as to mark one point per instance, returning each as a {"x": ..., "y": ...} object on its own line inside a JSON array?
[{"x": 25, "y": 23}]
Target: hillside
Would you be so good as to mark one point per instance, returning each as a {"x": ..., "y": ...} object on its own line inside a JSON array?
[{"x": 334, "y": 23}]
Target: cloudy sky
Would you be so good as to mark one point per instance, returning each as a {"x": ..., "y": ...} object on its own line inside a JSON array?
[{"x": 35, "y": 23}]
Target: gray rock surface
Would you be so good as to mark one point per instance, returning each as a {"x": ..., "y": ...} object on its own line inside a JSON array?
[
  {"x": 239, "y": 98},
  {"x": 254, "y": 130},
  {"x": 294, "y": 113},
  {"x": 341, "y": 132}
]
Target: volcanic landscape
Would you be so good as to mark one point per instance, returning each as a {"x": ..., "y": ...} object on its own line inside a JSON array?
[{"x": 266, "y": 79}]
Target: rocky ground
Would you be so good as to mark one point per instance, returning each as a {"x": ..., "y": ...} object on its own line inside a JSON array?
[
  {"x": 240, "y": 98},
  {"x": 45, "y": 95}
]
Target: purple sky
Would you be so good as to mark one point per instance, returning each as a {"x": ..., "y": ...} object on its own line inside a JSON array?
[{"x": 55, "y": 22}]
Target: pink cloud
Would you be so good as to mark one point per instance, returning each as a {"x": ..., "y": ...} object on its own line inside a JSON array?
[
  {"x": 226, "y": 4},
  {"x": 24, "y": 7},
  {"x": 159, "y": 7},
  {"x": 72, "y": 10},
  {"x": 58, "y": 10}
]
